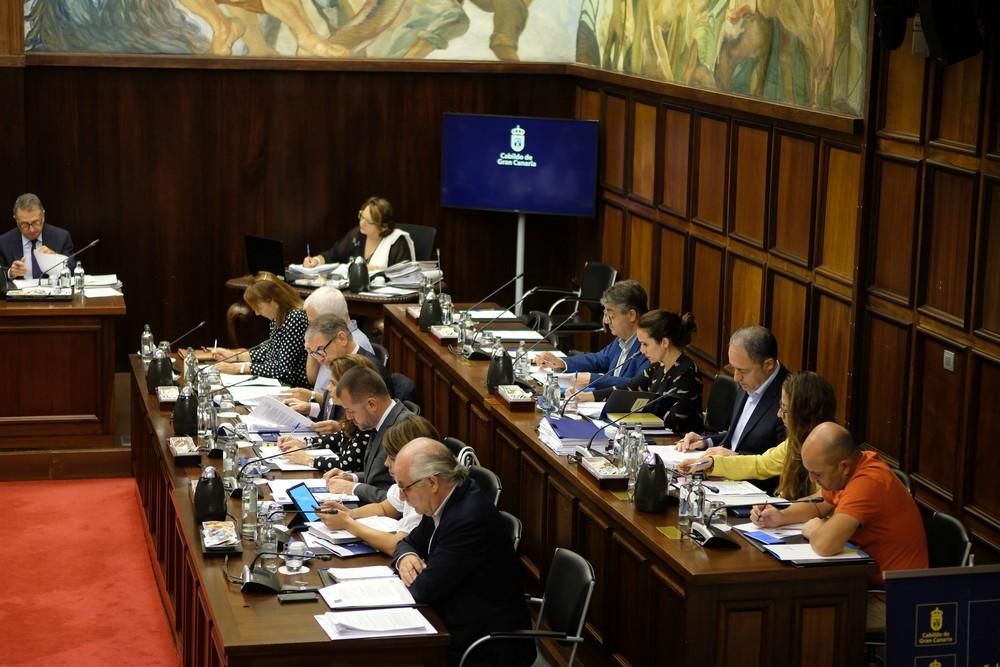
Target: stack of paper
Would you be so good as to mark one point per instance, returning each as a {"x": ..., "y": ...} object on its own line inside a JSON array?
[
  {"x": 272, "y": 415},
  {"x": 374, "y": 623},
  {"x": 671, "y": 456},
  {"x": 264, "y": 451},
  {"x": 412, "y": 274},
  {"x": 322, "y": 269},
  {"x": 384, "y": 524},
  {"x": 375, "y": 592},
  {"x": 564, "y": 435},
  {"x": 770, "y": 535},
  {"x": 487, "y": 314},
  {"x": 804, "y": 554},
  {"x": 739, "y": 494},
  {"x": 651, "y": 424}
]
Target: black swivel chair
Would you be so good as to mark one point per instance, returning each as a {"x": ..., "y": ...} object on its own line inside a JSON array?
[
  {"x": 424, "y": 239},
  {"x": 412, "y": 407},
  {"x": 381, "y": 354},
  {"x": 597, "y": 278},
  {"x": 721, "y": 400},
  {"x": 465, "y": 454},
  {"x": 903, "y": 478},
  {"x": 568, "y": 589},
  {"x": 514, "y": 524},
  {"x": 487, "y": 481}
]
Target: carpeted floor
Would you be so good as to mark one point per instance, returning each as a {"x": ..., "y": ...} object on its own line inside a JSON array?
[{"x": 78, "y": 586}]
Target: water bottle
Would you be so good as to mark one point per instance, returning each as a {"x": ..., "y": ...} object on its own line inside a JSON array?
[
  {"x": 230, "y": 462},
  {"x": 698, "y": 502},
  {"x": 522, "y": 366},
  {"x": 249, "y": 504},
  {"x": 447, "y": 309},
  {"x": 208, "y": 422},
  {"x": 79, "y": 277},
  {"x": 191, "y": 370},
  {"x": 684, "y": 509},
  {"x": 636, "y": 449},
  {"x": 268, "y": 547},
  {"x": 550, "y": 392},
  {"x": 147, "y": 344},
  {"x": 65, "y": 278}
]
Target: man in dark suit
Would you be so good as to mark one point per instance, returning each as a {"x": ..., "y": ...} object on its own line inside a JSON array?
[
  {"x": 367, "y": 403},
  {"x": 31, "y": 233},
  {"x": 755, "y": 427},
  {"x": 460, "y": 559}
]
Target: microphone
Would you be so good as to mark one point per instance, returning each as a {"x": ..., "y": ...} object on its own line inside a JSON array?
[
  {"x": 494, "y": 292},
  {"x": 542, "y": 339},
  {"x": 632, "y": 356},
  {"x": 69, "y": 257},
  {"x": 590, "y": 442},
  {"x": 502, "y": 311},
  {"x": 309, "y": 445},
  {"x": 187, "y": 333},
  {"x": 235, "y": 384},
  {"x": 236, "y": 354}
]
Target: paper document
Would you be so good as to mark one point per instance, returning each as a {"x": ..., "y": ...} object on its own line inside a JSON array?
[
  {"x": 515, "y": 335},
  {"x": 25, "y": 283},
  {"x": 374, "y": 623},
  {"x": 317, "y": 270},
  {"x": 534, "y": 353},
  {"x": 492, "y": 314},
  {"x": 284, "y": 466},
  {"x": 98, "y": 292},
  {"x": 251, "y": 395},
  {"x": 740, "y": 488},
  {"x": 48, "y": 261},
  {"x": 106, "y": 280},
  {"x": 770, "y": 535},
  {"x": 370, "y": 572},
  {"x": 389, "y": 291},
  {"x": 273, "y": 415},
  {"x": 228, "y": 379},
  {"x": 279, "y": 491},
  {"x": 670, "y": 456},
  {"x": 592, "y": 409},
  {"x": 376, "y": 592},
  {"x": 804, "y": 553}
]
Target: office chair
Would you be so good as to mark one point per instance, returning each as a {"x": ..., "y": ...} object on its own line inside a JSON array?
[
  {"x": 465, "y": 454},
  {"x": 381, "y": 354},
  {"x": 597, "y": 277},
  {"x": 564, "y": 604},
  {"x": 424, "y": 239},
  {"x": 487, "y": 481},
  {"x": 514, "y": 524},
  {"x": 411, "y": 406},
  {"x": 903, "y": 478},
  {"x": 403, "y": 388},
  {"x": 721, "y": 400}
]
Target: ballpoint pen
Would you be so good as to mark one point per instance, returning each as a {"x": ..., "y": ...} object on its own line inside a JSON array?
[{"x": 308, "y": 251}]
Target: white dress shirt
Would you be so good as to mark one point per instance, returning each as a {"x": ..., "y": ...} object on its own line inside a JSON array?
[{"x": 753, "y": 398}]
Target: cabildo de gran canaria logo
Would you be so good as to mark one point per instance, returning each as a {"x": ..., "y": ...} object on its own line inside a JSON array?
[
  {"x": 936, "y": 624},
  {"x": 517, "y": 143}
]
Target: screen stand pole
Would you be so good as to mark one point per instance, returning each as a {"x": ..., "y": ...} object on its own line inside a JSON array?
[{"x": 519, "y": 264}]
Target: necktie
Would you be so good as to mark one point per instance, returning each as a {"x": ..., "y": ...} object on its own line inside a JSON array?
[{"x": 36, "y": 271}]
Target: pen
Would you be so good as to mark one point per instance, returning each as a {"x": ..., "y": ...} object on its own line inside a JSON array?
[{"x": 308, "y": 252}]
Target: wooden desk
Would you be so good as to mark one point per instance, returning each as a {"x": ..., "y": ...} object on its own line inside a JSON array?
[
  {"x": 239, "y": 316},
  {"x": 657, "y": 601},
  {"x": 214, "y": 623},
  {"x": 56, "y": 404}
]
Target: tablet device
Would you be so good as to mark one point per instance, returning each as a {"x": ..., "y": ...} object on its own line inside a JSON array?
[{"x": 304, "y": 500}]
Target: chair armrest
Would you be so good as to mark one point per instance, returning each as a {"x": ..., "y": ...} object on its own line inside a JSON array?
[{"x": 532, "y": 634}]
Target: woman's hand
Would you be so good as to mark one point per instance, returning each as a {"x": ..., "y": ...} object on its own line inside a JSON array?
[{"x": 312, "y": 262}]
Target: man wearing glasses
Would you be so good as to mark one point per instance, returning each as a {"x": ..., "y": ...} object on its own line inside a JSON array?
[
  {"x": 31, "y": 233},
  {"x": 460, "y": 559}
]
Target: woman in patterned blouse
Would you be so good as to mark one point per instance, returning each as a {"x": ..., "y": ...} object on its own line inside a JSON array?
[
  {"x": 282, "y": 356},
  {"x": 348, "y": 443},
  {"x": 662, "y": 339}
]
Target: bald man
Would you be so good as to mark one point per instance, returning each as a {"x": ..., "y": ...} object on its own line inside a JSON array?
[
  {"x": 862, "y": 502},
  {"x": 460, "y": 559}
]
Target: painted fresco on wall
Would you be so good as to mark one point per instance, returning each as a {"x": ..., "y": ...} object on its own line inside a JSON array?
[
  {"x": 810, "y": 53},
  {"x": 536, "y": 30}
]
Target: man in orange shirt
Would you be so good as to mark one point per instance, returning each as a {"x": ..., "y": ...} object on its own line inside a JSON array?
[{"x": 862, "y": 502}]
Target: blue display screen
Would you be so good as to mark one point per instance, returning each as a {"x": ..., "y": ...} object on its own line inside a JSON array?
[
  {"x": 525, "y": 165},
  {"x": 304, "y": 501}
]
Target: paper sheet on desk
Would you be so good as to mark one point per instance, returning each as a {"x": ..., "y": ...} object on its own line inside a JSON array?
[
  {"x": 388, "y": 291},
  {"x": 273, "y": 415},
  {"x": 250, "y": 396},
  {"x": 378, "y": 592},
  {"x": 335, "y": 268},
  {"x": 105, "y": 280},
  {"x": 509, "y": 335},
  {"x": 229, "y": 379},
  {"x": 48, "y": 261},
  {"x": 534, "y": 353},
  {"x": 279, "y": 490},
  {"x": 670, "y": 456},
  {"x": 98, "y": 292},
  {"x": 287, "y": 466},
  {"x": 491, "y": 314},
  {"x": 374, "y": 623}
]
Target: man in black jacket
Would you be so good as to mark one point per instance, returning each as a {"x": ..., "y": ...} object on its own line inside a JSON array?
[
  {"x": 460, "y": 559},
  {"x": 31, "y": 233}
]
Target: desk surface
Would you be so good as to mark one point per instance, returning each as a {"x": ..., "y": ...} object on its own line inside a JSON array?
[
  {"x": 79, "y": 306},
  {"x": 215, "y": 620},
  {"x": 242, "y": 282}
]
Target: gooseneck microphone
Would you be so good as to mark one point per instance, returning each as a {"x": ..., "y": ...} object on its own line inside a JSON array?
[
  {"x": 605, "y": 455},
  {"x": 260, "y": 459},
  {"x": 187, "y": 333},
  {"x": 234, "y": 355},
  {"x": 494, "y": 292},
  {"x": 590, "y": 385},
  {"x": 542, "y": 339},
  {"x": 503, "y": 311}
]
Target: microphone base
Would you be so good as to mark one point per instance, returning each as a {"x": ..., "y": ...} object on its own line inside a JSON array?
[
  {"x": 233, "y": 489},
  {"x": 711, "y": 537},
  {"x": 260, "y": 580},
  {"x": 479, "y": 354}
]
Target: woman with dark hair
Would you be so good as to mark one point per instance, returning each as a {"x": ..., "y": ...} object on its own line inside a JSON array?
[
  {"x": 375, "y": 238},
  {"x": 282, "y": 356},
  {"x": 662, "y": 339},
  {"x": 807, "y": 400}
]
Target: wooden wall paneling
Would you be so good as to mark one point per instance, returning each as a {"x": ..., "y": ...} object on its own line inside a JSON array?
[
  {"x": 615, "y": 121},
  {"x": 740, "y": 632},
  {"x": 788, "y": 318},
  {"x": 840, "y": 197},
  {"x": 560, "y": 520},
  {"x": 11, "y": 29},
  {"x": 746, "y": 293},
  {"x": 712, "y": 169},
  {"x": 534, "y": 548},
  {"x": 644, "y": 143},
  {"x": 594, "y": 544},
  {"x": 442, "y": 409},
  {"x": 641, "y": 253},
  {"x": 957, "y": 104},
  {"x": 507, "y": 466},
  {"x": 894, "y": 234},
  {"x": 947, "y": 243},
  {"x": 588, "y": 103},
  {"x": 676, "y": 160},
  {"x": 988, "y": 291},
  {"x": 706, "y": 300},
  {"x": 458, "y": 420},
  {"x": 751, "y": 166},
  {"x": 902, "y": 100},
  {"x": 613, "y": 236},
  {"x": 939, "y": 397},
  {"x": 672, "y": 269},
  {"x": 481, "y": 435},
  {"x": 629, "y": 572},
  {"x": 832, "y": 350},
  {"x": 886, "y": 371},
  {"x": 12, "y": 134},
  {"x": 794, "y": 198},
  {"x": 983, "y": 492},
  {"x": 668, "y": 618}
]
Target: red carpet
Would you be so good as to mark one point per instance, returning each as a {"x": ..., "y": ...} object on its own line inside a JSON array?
[{"x": 77, "y": 583}]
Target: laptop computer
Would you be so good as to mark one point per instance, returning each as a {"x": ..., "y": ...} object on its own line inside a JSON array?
[
  {"x": 265, "y": 255},
  {"x": 624, "y": 401}
]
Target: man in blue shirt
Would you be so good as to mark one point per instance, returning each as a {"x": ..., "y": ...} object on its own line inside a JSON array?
[{"x": 624, "y": 303}]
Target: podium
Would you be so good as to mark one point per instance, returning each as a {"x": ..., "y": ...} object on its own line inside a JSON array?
[{"x": 56, "y": 404}]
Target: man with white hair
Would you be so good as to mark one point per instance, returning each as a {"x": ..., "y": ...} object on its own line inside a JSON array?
[{"x": 460, "y": 559}]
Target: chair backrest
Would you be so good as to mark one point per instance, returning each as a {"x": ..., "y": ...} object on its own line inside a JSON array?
[
  {"x": 721, "y": 399},
  {"x": 487, "y": 481},
  {"x": 515, "y": 527},
  {"x": 538, "y": 320},
  {"x": 568, "y": 588},
  {"x": 465, "y": 454},
  {"x": 903, "y": 478},
  {"x": 381, "y": 354},
  {"x": 412, "y": 407},
  {"x": 948, "y": 543},
  {"x": 424, "y": 238},
  {"x": 402, "y": 387},
  {"x": 597, "y": 277}
]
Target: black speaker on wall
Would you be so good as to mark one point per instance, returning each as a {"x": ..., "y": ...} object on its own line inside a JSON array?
[
  {"x": 891, "y": 16},
  {"x": 950, "y": 28}
]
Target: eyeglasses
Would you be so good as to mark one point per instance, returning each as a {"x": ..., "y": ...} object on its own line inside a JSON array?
[
  {"x": 782, "y": 411},
  {"x": 404, "y": 489},
  {"x": 320, "y": 352},
  {"x": 362, "y": 218},
  {"x": 37, "y": 224}
]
